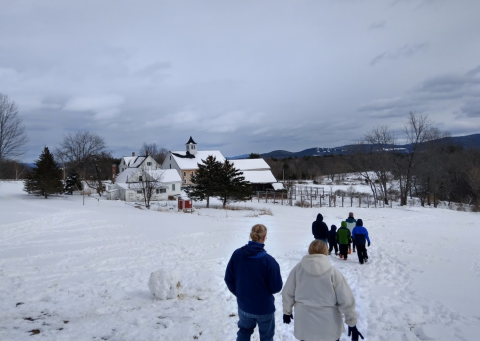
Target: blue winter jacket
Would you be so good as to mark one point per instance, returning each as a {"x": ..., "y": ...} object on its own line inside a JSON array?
[
  {"x": 253, "y": 276},
  {"x": 360, "y": 234}
]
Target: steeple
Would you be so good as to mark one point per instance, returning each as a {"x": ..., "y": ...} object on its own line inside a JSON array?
[{"x": 191, "y": 146}]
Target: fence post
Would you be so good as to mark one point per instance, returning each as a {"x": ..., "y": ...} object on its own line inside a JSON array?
[
  {"x": 320, "y": 200},
  {"x": 343, "y": 198},
  {"x": 311, "y": 200},
  {"x": 274, "y": 195},
  {"x": 359, "y": 201},
  {"x": 258, "y": 195}
]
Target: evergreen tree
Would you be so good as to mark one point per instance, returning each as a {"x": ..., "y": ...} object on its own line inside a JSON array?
[
  {"x": 205, "y": 183},
  {"x": 231, "y": 184},
  {"x": 72, "y": 182},
  {"x": 45, "y": 177}
]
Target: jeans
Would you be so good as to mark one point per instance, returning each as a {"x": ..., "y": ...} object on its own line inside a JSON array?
[{"x": 247, "y": 323}]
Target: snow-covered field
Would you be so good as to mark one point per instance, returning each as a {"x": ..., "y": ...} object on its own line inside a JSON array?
[{"x": 80, "y": 272}]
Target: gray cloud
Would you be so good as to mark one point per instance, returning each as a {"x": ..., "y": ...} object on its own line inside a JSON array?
[
  {"x": 240, "y": 77},
  {"x": 406, "y": 51},
  {"x": 377, "y": 25}
]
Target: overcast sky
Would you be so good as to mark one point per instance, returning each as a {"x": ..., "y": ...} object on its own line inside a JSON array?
[{"x": 238, "y": 76}]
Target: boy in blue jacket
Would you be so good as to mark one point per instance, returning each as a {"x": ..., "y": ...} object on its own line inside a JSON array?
[
  {"x": 360, "y": 235},
  {"x": 253, "y": 276}
]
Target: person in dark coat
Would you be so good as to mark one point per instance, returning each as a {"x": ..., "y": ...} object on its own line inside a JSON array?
[
  {"x": 332, "y": 240},
  {"x": 320, "y": 229},
  {"x": 253, "y": 276},
  {"x": 360, "y": 234}
]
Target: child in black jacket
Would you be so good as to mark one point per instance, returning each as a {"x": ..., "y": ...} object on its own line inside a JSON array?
[{"x": 332, "y": 240}]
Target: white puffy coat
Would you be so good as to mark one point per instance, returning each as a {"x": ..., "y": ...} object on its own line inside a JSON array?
[{"x": 320, "y": 295}]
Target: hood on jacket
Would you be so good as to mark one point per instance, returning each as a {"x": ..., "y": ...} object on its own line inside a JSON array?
[
  {"x": 319, "y": 217},
  {"x": 343, "y": 224},
  {"x": 316, "y": 265},
  {"x": 333, "y": 228},
  {"x": 359, "y": 222},
  {"x": 254, "y": 250}
]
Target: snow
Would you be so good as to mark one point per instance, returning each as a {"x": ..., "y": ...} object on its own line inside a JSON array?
[
  {"x": 164, "y": 284},
  {"x": 259, "y": 177},
  {"x": 167, "y": 175},
  {"x": 250, "y": 164},
  {"x": 134, "y": 161},
  {"x": 187, "y": 164},
  {"x": 277, "y": 186},
  {"x": 125, "y": 175},
  {"x": 81, "y": 272}
]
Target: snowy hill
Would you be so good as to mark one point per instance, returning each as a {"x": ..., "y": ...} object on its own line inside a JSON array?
[{"x": 80, "y": 272}]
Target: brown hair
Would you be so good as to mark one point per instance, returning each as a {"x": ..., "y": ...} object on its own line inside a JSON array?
[
  {"x": 318, "y": 247},
  {"x": 258, "y": 232}
]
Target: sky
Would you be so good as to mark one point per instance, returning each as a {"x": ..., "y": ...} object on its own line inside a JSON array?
[{"x": 238, "y": 76}]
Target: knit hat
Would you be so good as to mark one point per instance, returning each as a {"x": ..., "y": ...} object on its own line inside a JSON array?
[
  {"x": 333, "y": 228},
  {"x": 344, "y": 223},
  {"x": 359, "y": 222}
]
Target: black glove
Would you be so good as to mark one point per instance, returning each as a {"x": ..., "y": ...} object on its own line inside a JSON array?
[
  {"x": 354, "y": 332},
  {"x": 368, "y": 244},
  {"x": 287, "y": 318}
]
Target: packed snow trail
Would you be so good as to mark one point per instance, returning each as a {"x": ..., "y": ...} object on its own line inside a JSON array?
[{"x": 74, "y": 272}]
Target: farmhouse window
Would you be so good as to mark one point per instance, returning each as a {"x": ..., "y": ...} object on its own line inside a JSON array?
[
  {"x": 140, "y": 178},
  {"x": 139, "y": 191},
  {"x": 149, "y": 163},
  {"x": 191, "y": 173},
  {"x": 184, "y": 173},
  {"x": 173, "y": 187}
]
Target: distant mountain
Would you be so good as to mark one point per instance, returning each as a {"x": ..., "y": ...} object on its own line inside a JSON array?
[{"x": 467, "y": 142}]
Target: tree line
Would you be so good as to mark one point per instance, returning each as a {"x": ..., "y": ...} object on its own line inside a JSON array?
[{"x": 434, "y": 170}]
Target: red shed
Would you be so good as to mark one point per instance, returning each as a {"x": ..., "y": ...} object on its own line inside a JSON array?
[{"x": 185, "y": 204}]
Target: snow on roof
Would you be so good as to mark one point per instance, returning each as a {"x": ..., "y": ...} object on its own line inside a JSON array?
[
  {"x": 250, "y": 164},
  {"x": 134, "y": 161},
  {"x": 259, "y": 177},
  {"x": 191, "y": 163},
  {"x": 277, "y": 186},
  {"x": 126, "y": 174},
  {"x": 167, "y": 175}
]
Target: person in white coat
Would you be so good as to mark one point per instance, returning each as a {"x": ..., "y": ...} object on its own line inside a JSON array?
[{"x": 320, "y": 295}]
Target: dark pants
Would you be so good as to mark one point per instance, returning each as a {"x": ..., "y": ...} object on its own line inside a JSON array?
[
  {"x": 353, "y": 244},
  {"x": 247, "y": 323},
  {"x": 362, "y": 253},
  {"x": 344, "y": 250},
  {"x": 333, "y": 245}
]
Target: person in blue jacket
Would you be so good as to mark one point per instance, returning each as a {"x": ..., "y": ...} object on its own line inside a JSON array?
[
  {"x": 360, "y": 235},
  {"x": 253, "y": 276}
]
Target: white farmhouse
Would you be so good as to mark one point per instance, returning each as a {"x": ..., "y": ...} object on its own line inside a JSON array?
[
  {"x": 186, "y": 162},
  {"x": 127, "y": 185},
  {"x": 133, "y": 161}
]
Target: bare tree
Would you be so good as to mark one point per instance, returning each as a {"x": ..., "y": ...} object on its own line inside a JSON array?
[
  {"x": 417, "y": 131},
  {"x": 81, "y": 150},
  {"x": 12, "y": 131},
  {"x": 149, "y": 182},
  {"x": 158, "y": 154},
  {"x": 373, "y": 159}
]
